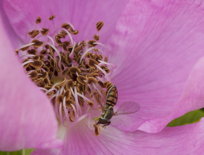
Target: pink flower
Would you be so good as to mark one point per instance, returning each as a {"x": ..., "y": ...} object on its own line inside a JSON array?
[{"x": 156, "y": 48}]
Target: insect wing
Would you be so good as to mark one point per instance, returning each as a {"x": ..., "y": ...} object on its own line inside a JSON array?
[
  {"x": 126, "y": 115},
  {"x": 126, "y": 108}
]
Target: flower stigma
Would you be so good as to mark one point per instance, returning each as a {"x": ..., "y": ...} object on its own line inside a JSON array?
[{"x": 73, "y": 74}]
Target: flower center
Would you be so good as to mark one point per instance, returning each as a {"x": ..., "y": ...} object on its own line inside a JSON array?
[{"x": 74, "y": 75}]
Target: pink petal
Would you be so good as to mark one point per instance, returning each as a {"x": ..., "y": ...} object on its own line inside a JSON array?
[
  {"x": 183, "y": 140},
  {"x": 82, "y": 14},
  {"x": 191, "y": 99},
  {"x": 53, "y": 151},
  {"x": 81, "y": 139},
  {"x": 194, "y": 90},
  {"x": 9, "y": 30},
  {"x": 156, "y": 48},
  {"x": 27, "y": 118}
]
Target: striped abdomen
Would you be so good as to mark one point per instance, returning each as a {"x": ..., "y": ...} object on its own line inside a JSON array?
[{"x": 111, "y": 95}]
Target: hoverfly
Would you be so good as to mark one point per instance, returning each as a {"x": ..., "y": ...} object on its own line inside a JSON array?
[
  {"x": 108, "y": 111},
  {"x": 111, "y": 100}
]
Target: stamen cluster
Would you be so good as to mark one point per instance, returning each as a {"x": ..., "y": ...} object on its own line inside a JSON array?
[{"x": 74, "y": 75}]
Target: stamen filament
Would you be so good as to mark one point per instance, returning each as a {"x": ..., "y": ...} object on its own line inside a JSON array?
[
  {"x": 84, "y": 54},
  {"x": 76, "y": 100},
  {"x": 26, "y": 45},
  {"x": 101, "y": 70},
  {"x": 58, "y": 53},
  {"x": 65, "y": 108},
  {"x": 26, "y": 56},
  {"x": 70, "y": 37},
  {"x": 71, "y": 56},
  {"x": 106, "y": 63},
  {"x": 50, "y": 38},
  {"x": 60, "y": 113},
  {"x": 84, "y": 97},
  {"x": 27, "y": 62}
]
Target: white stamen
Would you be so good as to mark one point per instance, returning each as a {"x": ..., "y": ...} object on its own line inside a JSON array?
[
  {"x": 76, "y": 100},
  {"x": 53, "y": 46},
  {"x": 75, "y": 111},
  {"x": 60, "y": 113},
  {"x": 70, "y": 37},
  {"x": 98, "y": 43},
  {"x": 105, "y": 74},
  {"x": 71, "y": 56},
  {"x": 84, "y": 54},
  {"x": 72, "y": 26},
  {"x": 54, "y": 95},
  {"x": 50, "y": 38},
  {"x": 27, "y": 62},
  {"x": 56, "y": 108},
  {"x": 61, "y": 90},
  {"x": 58, "y": 53},
  {"x": 81, "y": 118},
  {"x": 84, "y": 97},
  {"x": 41, "y": 88},
  {"x": 101, "y": 70},
  {"x": 97, "y": 89},
  {"x": 57, "y": 93},
  {"x": 65, "y": 108},
  {"x": 53, "y": 87},
  {"x": 25, "y": 56},
  {"x": 106, "y": 63},
  {"x": 100, "y": 79},
  {"x": 26, "y": 45}
]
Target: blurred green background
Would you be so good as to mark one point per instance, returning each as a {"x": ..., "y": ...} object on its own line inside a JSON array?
[{"x": 22, "y": 152}]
